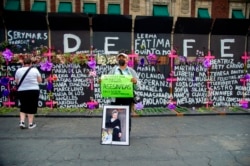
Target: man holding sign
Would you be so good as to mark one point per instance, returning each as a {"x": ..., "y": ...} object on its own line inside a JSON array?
[{"x": 120, "y": 83}]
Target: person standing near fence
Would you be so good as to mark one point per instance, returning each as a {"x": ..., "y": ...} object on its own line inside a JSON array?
[
  {"x": 123, "y": 69},
  {"x": 28, "y": 92}
]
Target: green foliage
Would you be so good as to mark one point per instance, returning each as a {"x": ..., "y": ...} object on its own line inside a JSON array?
[
  {"x": 237, "y": 109},
  {"x": 204, "y": 109},
  {"x": 181, "y": 109},
  {"x": 6, "y": 110}
]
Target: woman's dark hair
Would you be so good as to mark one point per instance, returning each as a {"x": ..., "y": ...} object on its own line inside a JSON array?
[{"x": 26, "y": 61}]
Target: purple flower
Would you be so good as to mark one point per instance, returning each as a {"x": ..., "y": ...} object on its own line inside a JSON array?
[
  {"x": 7, "y": 54},
  {"x": 171, "y": 106},
  {"x": 142, "y": 61},
  {"x": 4, "y": 81},
  {"x": 5, "y": 92},
  {"x": 182, "y": 59},
  {"x": 244, "y": 105},
  {"x": 207, "y": 63},
  {"x": 152, "y": 58},
  {"x": 139, "y": 106},
  {"x": 46, "y": 66},
  {"x": 49, "y": 86},
  {"x": 91, "y": 106},
  {"x": 92, "y": 64},
  {"x": 247, "y": 76}
]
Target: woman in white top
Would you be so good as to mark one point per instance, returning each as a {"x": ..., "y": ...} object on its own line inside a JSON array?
[{"x": 28, "y": 92}]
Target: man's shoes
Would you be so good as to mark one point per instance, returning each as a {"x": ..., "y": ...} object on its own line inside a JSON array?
[
  {"x": 32, "y": 125},
  {"x": 22, "y": 125}
]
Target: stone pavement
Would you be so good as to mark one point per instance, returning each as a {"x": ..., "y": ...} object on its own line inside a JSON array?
[{"x": 159, "y": 141}]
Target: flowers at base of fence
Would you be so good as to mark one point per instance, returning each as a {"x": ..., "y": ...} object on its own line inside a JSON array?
[
  {"x": 247, "y": 76},
  {"x": 182, "y": 59},
  {"x": 92, "y": 64},
  {"x": 244, "y": 105},
  {"x": 4, "y": 81},
  {"x": 139, "y": 106},
  {"x": 54, "y": 77},
  {"x": 170, "y": 103},
  {"x": 46, "y": 66},
  {"x": 68, "y": 58},
  {"x": 7, "y": 54},
  {"x": 49, "y": 86},
  {"x": 152, "y": 59},
  {"x": 37, "y": 55},
  {"x": 92, "y": 104},
  {"x": 78, "y": 59},
  {"x": 207, "y": 63},
  {"x": 171, "y": 106},
  {"x": 5, "y": 92}
]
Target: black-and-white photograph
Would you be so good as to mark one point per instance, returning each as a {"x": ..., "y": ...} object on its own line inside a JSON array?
[{"x": 115, "y": 125}]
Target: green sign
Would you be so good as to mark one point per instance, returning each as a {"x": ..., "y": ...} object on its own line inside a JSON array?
[{"x": 116, "y": 86}]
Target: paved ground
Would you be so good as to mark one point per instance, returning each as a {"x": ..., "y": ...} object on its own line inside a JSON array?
[{"x": 160, "y": 141}]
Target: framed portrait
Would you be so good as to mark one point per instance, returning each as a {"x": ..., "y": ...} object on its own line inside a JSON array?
[{"x": 115, "y": 125}]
